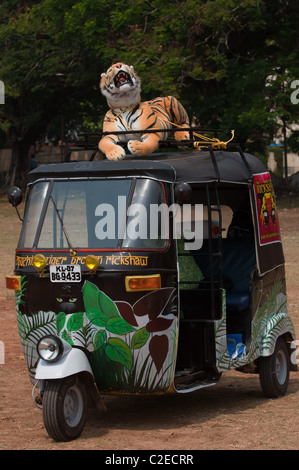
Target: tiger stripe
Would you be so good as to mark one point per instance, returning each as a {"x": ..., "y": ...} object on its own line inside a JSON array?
[{"x": 125, "y": 115}]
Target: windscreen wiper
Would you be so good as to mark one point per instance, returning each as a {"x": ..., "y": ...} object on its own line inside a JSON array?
[{"x": 72, "y": 251}]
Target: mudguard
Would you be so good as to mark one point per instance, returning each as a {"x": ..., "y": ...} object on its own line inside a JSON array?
[
  {"x": 279, "y": 324},
  {"x": 73, "y": 362}
]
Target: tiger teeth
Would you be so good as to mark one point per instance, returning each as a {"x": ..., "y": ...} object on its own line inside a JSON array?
[{"x": 121, "y": 78}]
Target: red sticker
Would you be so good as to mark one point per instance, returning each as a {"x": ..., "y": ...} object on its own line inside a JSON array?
[{"x": 268, "y": 224}]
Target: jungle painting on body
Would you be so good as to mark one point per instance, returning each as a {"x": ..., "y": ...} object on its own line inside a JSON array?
[{"x": 128, "y": 348}]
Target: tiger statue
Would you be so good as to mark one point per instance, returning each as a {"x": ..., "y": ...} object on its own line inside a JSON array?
[{"x": 122, "y": 88}]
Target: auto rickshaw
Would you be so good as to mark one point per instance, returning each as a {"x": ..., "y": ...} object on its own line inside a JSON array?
[{"x": 149, "y": 275}]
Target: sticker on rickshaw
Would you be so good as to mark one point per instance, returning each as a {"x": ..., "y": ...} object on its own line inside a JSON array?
[
  {"x": 65, "y": 272},
  {"x": 268, "y": 224}
]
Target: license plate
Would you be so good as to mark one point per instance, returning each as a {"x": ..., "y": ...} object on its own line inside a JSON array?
[{"x": 65, "y": 273}]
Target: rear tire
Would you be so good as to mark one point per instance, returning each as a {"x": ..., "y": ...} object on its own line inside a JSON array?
[
  {"x": 274, "y": 370},
  {"x": 64, "y": 408}
]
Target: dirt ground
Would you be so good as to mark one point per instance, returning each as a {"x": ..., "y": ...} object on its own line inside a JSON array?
[{"x": 233, "y": 415}]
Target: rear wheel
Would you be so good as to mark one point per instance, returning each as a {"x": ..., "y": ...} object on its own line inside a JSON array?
[
  {"x": 274, "y": 371},
  {"x": 64, "y": 408}
]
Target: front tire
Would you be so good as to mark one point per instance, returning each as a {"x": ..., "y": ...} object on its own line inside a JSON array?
[
  {"x": 64, "y": 408},
  {"x": 274, "y": 371}
]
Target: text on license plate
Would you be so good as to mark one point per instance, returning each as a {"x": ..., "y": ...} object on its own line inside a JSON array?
[{"x": 65, "y": 273}]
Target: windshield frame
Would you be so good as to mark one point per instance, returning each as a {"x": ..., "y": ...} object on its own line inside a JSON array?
[{"x": 45, "y": 205}]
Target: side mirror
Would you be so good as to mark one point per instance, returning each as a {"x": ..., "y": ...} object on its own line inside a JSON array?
[
  {"x": 14, "y": 195},
  {"x": 182, "y": 192}
]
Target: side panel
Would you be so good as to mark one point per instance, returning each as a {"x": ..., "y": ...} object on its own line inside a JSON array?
[
  {"x": 130, "y": 339},
  {"x": 270, "y": 320}
]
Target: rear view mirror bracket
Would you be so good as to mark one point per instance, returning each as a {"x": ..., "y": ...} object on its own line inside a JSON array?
[
  {"x": 14, "y": 195},
  {"x": 182, "y": 192}
]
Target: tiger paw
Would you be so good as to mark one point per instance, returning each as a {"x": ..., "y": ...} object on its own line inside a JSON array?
[
  {"x": 136, "y": 147},
  {"x": 116, "y": 154},
  {"x": 141, "y": 148},
  {"x": 182, "y": 135}
]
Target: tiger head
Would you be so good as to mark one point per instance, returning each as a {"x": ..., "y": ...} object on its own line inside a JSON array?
[{"x": 121, "y": 86}]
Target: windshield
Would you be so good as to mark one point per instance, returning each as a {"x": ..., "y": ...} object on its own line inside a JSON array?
[{"x": 93, "y": 214}]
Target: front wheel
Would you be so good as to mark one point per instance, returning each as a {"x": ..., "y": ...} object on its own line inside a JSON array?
[
  {"x": 64, "y": 408},
  {"x": 274, "y": 371}
]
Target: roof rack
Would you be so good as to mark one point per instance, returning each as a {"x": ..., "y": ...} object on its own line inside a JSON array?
[
  {"x": 86, "y": 144},
  {"x": 165, "y": 144},
  {"x": 212, "y": 144}
]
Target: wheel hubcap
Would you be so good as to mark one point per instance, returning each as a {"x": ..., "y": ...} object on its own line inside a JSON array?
[
  {"x": 73, "y": 406},
  {"x": 281, "y": 367}
]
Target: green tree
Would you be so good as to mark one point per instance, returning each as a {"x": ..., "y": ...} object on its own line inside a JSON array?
[
  {"x": 230, "y": 62},
  {"x": 48, "y": 72}
]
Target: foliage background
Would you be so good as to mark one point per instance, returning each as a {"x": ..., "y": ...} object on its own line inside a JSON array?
[{"x": 230, "y": 62}]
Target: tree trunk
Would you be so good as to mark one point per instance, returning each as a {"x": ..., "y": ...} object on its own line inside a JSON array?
[{"x": 17, "y": 175}]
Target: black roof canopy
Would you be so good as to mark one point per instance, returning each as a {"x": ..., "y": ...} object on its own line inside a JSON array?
[
  {"x": 222, "y": 166},
  {"x": 192, "y": 167}
]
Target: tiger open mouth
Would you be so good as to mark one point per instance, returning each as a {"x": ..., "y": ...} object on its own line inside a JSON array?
[{"x": 122, "y": 78}]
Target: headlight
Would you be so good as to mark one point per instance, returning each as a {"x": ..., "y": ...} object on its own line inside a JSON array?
[
  {"x": 50, "y": 348},
  {"x": 39, "y": 262},
  {"x": 91, "y": 262}
]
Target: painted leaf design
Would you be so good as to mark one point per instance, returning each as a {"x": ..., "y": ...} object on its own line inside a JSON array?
[
  {"x": 159, "y": 324},
  {"x": 75, "y": 322},
  {"x": 60, "y": 321},
  {"x": 126, "y": 311},
  {"x": 154, "y": 303},
  {"x": 117, "y": 350},
  {"x": 158, "y": 348},
  {"x": 119, "y": 326},
  {"x": 95, "y": 317},
  {"x": 98, "y": 306},
  {"x": 91, "y": 303},
  {"x": 67, "y": 337},
  {"x": 107, "y": 306},
  {"x": 90, "y": 296},
  {"x": 140, "y": 338},
  {"x": 99, "y": 339}
]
